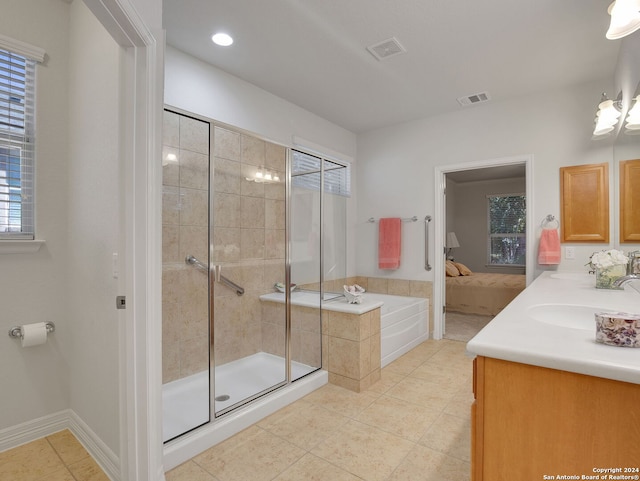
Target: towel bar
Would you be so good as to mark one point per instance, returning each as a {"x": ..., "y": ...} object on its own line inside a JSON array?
[{"x": 405, "y": 219}]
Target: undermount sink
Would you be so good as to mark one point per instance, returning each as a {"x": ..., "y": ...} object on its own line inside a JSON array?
[{"x": 566, "y": 315}]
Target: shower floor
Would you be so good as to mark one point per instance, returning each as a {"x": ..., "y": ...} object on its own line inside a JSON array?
[{"x": 185, "y": 402}]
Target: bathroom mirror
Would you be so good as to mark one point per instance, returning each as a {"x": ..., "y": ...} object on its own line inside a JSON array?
[{"x": 626, "y": 156}]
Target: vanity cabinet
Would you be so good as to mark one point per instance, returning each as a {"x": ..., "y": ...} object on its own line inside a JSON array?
[
  {"x": 630, "y": 201},
  {"x": 529, "y": 422},
  {"x": 584, "y": 190}
]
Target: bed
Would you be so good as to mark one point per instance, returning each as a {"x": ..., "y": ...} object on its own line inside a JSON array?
[{"x": 482, "y": 293}]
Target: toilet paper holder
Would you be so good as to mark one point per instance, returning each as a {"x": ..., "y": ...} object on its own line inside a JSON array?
[{"x": 16, "y": 331}]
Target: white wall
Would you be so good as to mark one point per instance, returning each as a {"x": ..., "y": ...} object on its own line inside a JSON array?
[
  {"x": 204, "y": 90},
  {"x": 396, "y": 164},
  {"x": 94, "y": 209},
  {"x": 33, "y": 287},
  {"x": 69, "y": 281}
]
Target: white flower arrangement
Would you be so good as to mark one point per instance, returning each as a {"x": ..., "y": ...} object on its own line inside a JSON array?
[{"x": 610, "y": 258}]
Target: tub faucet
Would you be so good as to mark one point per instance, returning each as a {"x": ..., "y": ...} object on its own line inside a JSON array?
[{"x": 620, "y": 281}]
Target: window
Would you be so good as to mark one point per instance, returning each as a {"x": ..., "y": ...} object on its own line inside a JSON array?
[
  {"x": 17, "y": 104},
  {"x": 306, "y": 174},
  {"x": 507, "y": 229}
]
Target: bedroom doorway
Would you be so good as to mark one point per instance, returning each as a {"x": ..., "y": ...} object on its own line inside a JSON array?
[{"x": 464, "y": 194}]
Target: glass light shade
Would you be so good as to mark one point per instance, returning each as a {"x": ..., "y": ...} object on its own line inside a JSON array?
[
  {"x": 452, "y": 240},
  {"x": 606, "y": 118},
  {"x": 633, "y": 117},
  {"x": 625, "y": 18}
]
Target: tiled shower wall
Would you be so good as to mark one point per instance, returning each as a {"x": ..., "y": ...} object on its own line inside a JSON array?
[
  {"x": 249, "y": 244},
  {"x": 249, "y": 239},
  {"x": 185, "y": 179}
]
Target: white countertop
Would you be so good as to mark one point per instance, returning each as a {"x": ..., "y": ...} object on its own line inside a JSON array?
[
  {"x": 312, "y": 299},
  {"x": 514, "y": 335}
]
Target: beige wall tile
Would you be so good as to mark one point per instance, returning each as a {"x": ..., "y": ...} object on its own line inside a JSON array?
[
  {"x": 226, "y": 144},
  {"x": 171, "y": 205},
  {"x": 253, "y": 150},
  {"x": 194, "y": 241},
  {"x": 171, "y": 129},
  {"x": 398, "y": 287},
  {"x": 377, "y": 285},
  {"x": 170, "y": 243},
  {"x": 227, "y": 176},
  {"x": 252, "y": 243},
  {"x": 376, "y": 352},
  {"x": 170, "y": 167},
  {"x": 247, "y": 185},
  {"x": 194, "y": 135},
  {"x": 275, "y": 242},
  {"x": 252, "y": 212},
  {"x": 226, "y": 244},
  {"x": 194, "y": 208},
  {"x": 344, "y": 357},
  {"x": 275, "y": 190},
  {"x": 275, "y": 157},
  {"x": 194, "y": 170}
]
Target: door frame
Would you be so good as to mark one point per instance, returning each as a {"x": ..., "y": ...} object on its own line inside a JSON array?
[
  {"x": 440, "y": 224},
  {"x": 139, "y": 325}
]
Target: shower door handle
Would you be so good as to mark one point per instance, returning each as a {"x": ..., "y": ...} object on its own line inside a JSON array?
[
  {"x": 217, "y": 274},
  {"x": 226, "y": 281}
]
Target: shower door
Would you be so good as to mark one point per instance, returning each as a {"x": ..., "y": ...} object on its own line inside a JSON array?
[
  {"x": 318, "y": 251},
  {"x": 185, "y": 279},
  {"x": 248, "y": 254}
]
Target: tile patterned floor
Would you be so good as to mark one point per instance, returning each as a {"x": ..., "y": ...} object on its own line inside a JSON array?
[
  {"x": 58, "y": 457},
  {"x": 413, "y": 425}
]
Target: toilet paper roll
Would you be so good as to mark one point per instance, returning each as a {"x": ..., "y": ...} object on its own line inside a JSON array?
[{"x": 34, "y": 334}]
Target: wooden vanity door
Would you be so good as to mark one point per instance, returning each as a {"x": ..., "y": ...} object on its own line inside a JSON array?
[
  {"x": 630, "y": 201},
  {"x": 584, "y": 193}
]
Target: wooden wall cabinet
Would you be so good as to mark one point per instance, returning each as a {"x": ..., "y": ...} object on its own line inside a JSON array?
[
  {"x": 530, "y": 421},
  {"x": 630, "y": 201},
  {"x": 584, "y": 193}
]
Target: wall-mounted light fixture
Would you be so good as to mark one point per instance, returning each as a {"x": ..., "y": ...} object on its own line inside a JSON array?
[
  {"x": 632, "y": 126},
  {"x": 607, "y": 116},
  {"x": 625, "y": 18},
  {"x": 262, "y": 176}
]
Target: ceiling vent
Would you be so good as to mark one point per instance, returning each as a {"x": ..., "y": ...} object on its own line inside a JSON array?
[
  {"x": 474, "y": 99},
  {"x": 386, "y": 48}
]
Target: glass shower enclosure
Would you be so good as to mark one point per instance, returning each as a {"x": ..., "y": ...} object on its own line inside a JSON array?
[{"x": 242, "y": 219}]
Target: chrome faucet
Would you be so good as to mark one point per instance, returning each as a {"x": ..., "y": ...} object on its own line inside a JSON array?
[{"x": 620, "y": 281}]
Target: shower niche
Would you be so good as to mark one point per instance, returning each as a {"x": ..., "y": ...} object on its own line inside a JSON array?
[{"x": 240, "y": 214}]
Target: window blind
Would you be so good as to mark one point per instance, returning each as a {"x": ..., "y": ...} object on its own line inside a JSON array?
[
  {"x": 17, "y": 141},
  {"x": 305, "y": 173}
]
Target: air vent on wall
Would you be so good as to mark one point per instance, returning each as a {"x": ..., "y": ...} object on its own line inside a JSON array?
[
  {"x": 386, "y": 48},
  {"x": 474, "y": 99}
]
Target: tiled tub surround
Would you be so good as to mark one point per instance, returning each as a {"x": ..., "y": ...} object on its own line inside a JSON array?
[{"x": 358, "y": 338}]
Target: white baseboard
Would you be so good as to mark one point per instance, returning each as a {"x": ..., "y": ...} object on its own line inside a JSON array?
[{"x": 26, "y": 432}]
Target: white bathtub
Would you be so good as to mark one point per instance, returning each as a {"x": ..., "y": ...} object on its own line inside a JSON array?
[{"x": 404, "y": 321}]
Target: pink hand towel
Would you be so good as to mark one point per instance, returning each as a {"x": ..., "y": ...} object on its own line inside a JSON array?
[
  {"x": 549, "y": 248},
  {"x": 389, "y": 242}
]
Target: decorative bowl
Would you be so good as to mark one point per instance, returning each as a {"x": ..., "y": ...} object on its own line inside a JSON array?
[
  {"x": 618, "y": 329},
  {"x": 353, "y": 293},
  {"x": 280, "y": 287}
]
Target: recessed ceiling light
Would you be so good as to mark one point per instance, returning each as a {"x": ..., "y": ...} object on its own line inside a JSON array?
[{"x": 222, "y": 39}]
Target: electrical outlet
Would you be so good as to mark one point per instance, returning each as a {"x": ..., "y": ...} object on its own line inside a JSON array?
[{"x": 569, "y": 252}]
